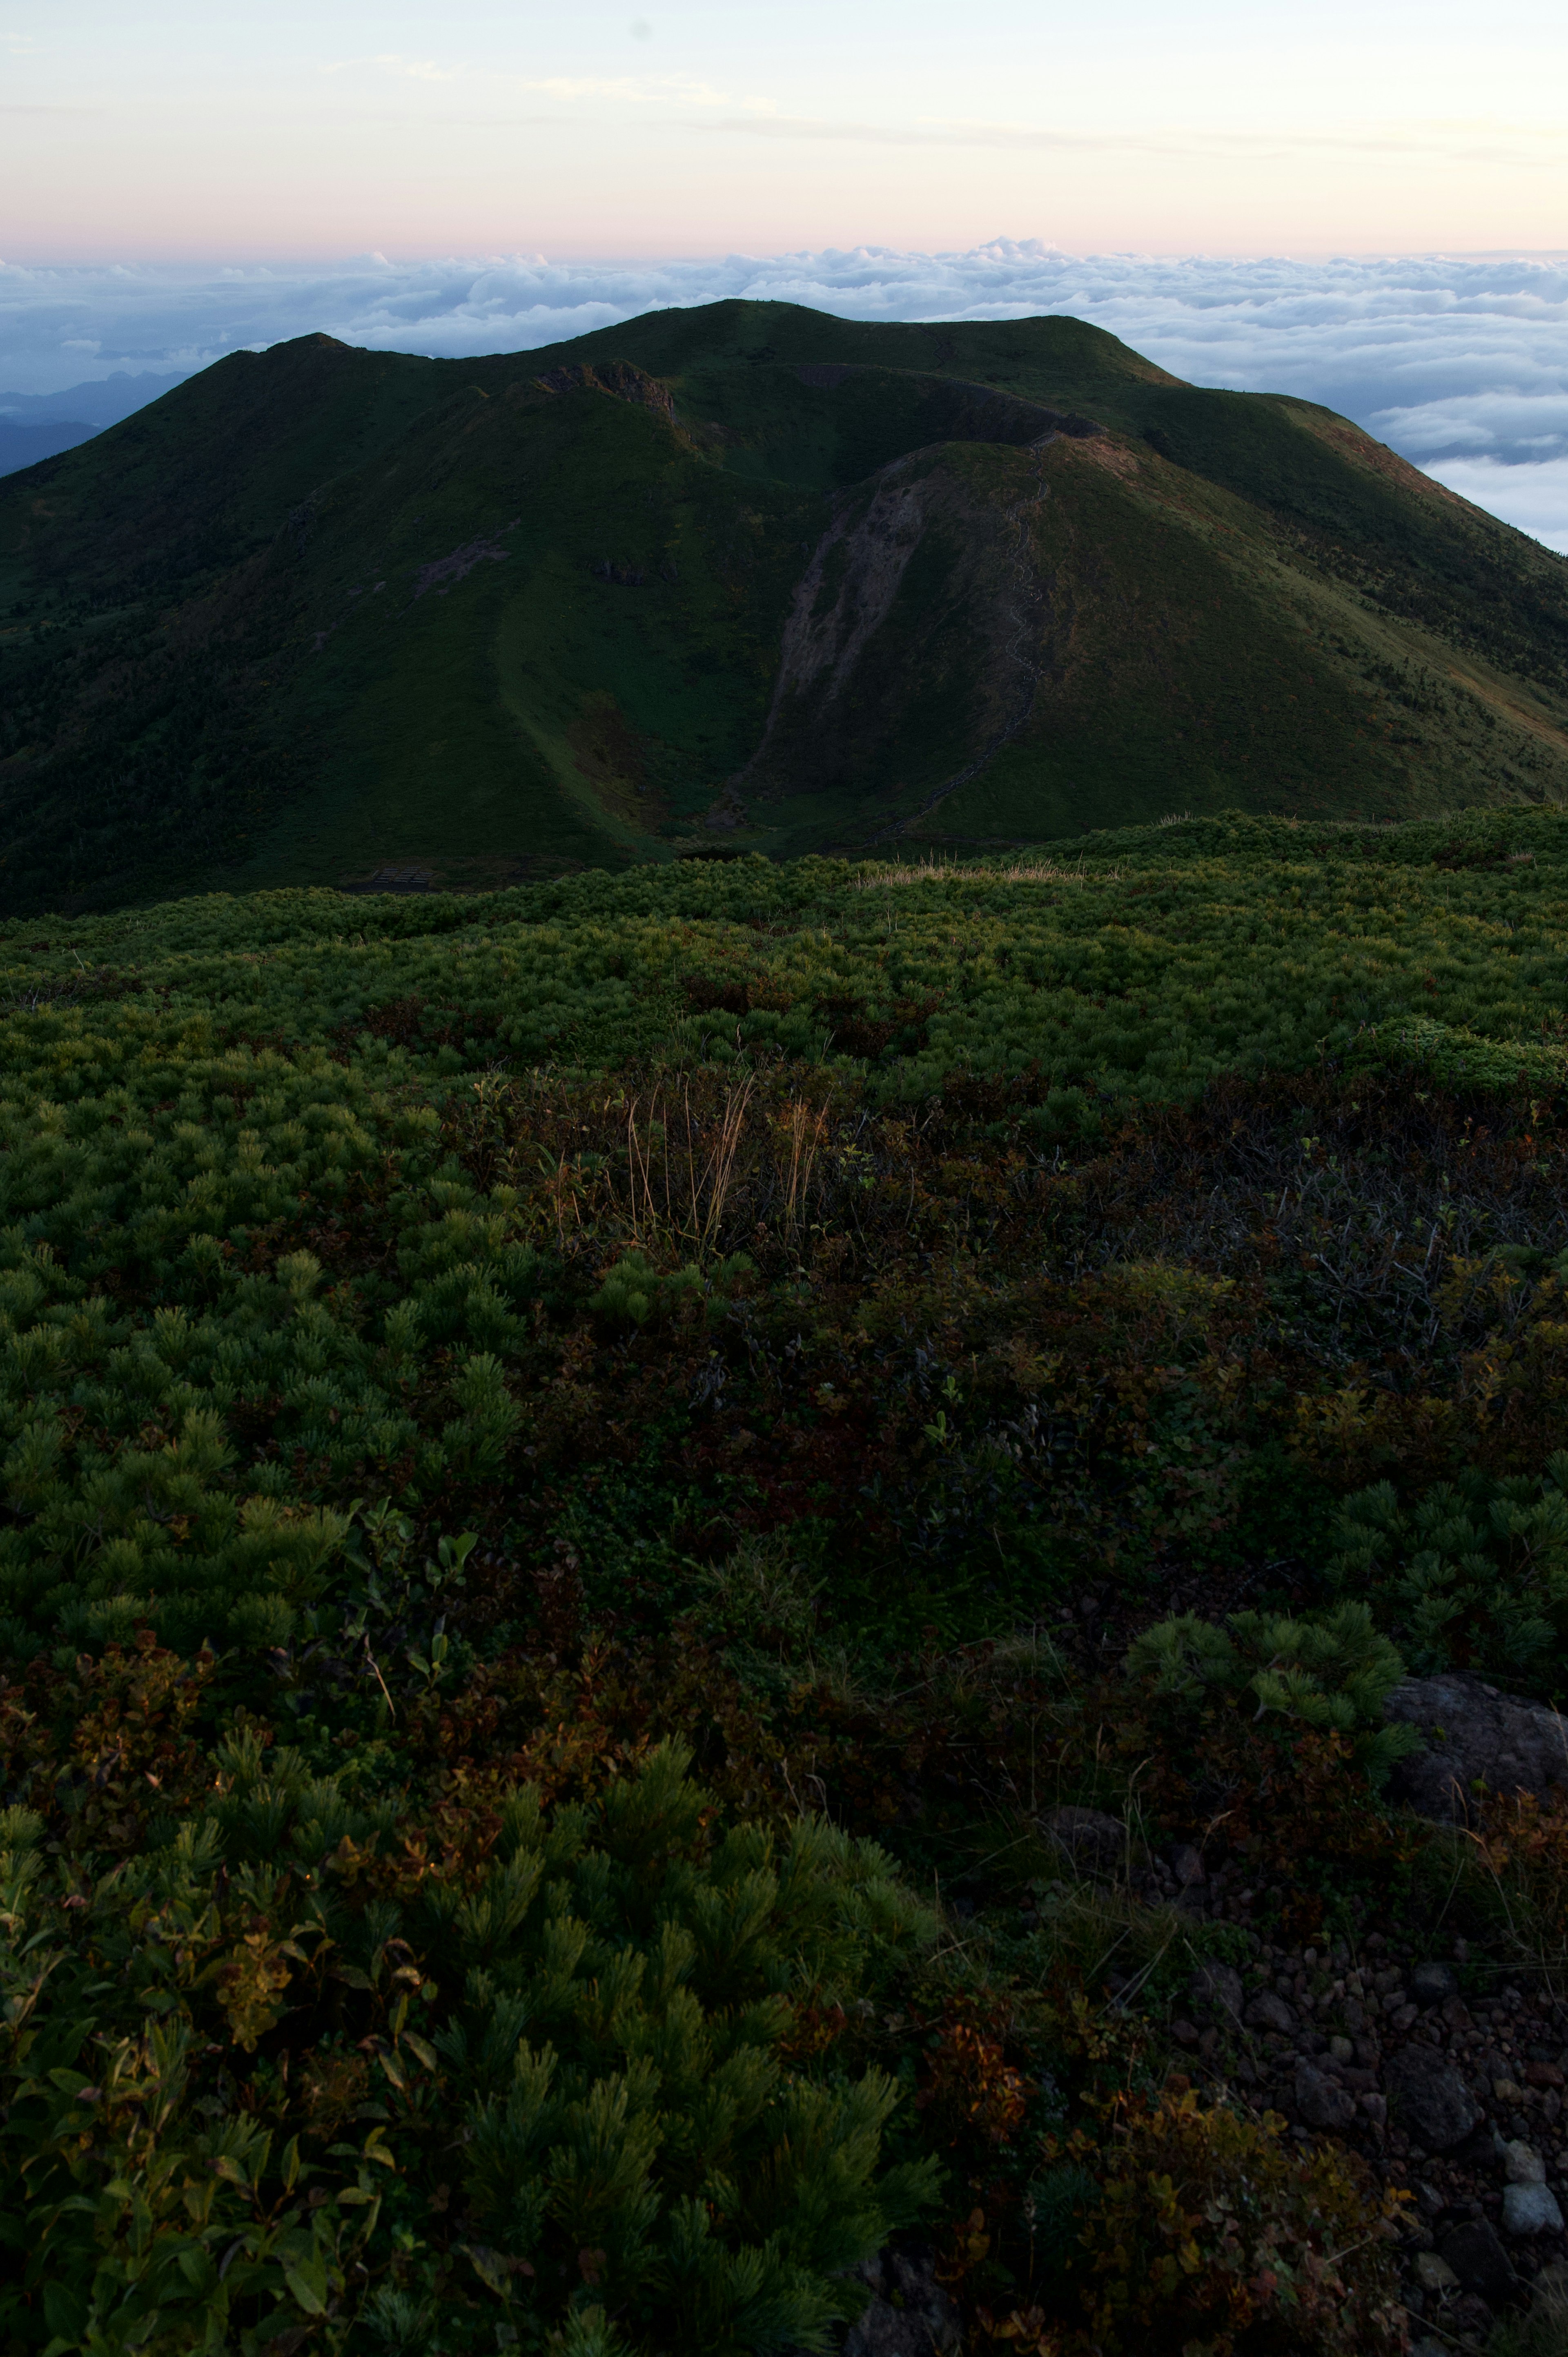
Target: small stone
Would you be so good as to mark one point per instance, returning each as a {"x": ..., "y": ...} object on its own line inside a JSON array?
[
  {"x": 1184, "y": 2032},
  {"x": 1427, "y": 2347},
  {"x": 1433, "y": 2274},
  {"x": 1543, "y": 2074},
  {"x": 1341, "y": 2050},
  {"x": 1522, "y": 2164},
  {"x": 1218, "y": 1986},
  {"x": 1321, "y": 2102},
  {"x": 1087, "y": 1838},
  {"x": 1187, "y": 1866},
  {"x": 1507, "y": 2092},
  {"x": 1376, "y": 2108},
  {"x": 1267, "y": 2011},
  {"x": 1430, "y": 1983},
  {"x": 1530, "y": 2210},
  {"x": 1430, "y": 2100},
  {"x": 910, "y": 2314},
  {"x": 1480, "y": 2262}
]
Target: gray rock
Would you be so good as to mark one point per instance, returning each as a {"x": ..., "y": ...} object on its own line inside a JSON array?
[
  {"x": 1429, "y": 2099},
  {"x": 1522, "y": 2165},
  {"x": 1430, "y": 1983},
  {"x": 1433, "y": 2274},
  {"x": 1321, "y": 2101},
  {"x": 1187, "y": 1865},
  {"x": 910, "y": 2314},
  {"x": 1480, "y": 2262},
  {"x": 1268, "y": 2011},
  {"x": 1217, "y": 1986},
  {"x": 1530, "y": 2210},
  {"x": 1516, "y": 1746},
  {"x": 1087, "y": 1838}
]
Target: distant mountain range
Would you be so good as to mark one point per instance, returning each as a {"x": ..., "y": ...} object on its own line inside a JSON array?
[
  {"x": 742, "y": 577},
  {"x": 35, "y": 426},
  {"x": 24, "y": 446}
]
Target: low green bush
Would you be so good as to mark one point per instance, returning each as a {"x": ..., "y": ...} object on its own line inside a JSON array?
[
  {"x": 574, "y": 2024},
  {"x": 1329, "y": 1676},
  {"x": 1472, "y": 1575},
  {"x": 881, "y": 1260}
]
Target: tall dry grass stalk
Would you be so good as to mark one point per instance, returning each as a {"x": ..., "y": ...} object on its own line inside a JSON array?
[
  {"x": 681, "y": 1193},
  {"x": 1019, "y": 871},
  {"x": 805, "y": 1131}
]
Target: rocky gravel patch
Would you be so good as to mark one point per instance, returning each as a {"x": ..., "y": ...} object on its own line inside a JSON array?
[{"x": 1452, "y": 2091}]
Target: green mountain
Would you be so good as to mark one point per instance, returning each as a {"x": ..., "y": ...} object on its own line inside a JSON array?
[{"x": 742, "y": 576}]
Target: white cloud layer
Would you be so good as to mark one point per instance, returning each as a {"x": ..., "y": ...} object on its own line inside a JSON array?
[{"x": 1461, "y": 363}]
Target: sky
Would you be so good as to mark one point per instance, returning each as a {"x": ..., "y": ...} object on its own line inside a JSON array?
[
  {"x": 182, "y": 129},
  {"x": 1366, "y": 203}
]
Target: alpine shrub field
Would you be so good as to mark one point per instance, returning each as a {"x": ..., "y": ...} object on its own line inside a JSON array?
[{"x": 699, "y": 1576}]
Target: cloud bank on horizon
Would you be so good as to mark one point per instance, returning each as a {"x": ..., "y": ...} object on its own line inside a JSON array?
[{"x": 1460, "y": 362}]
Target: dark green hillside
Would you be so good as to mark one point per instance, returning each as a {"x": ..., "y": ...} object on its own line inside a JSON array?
[{"x": 743, "y": 576}]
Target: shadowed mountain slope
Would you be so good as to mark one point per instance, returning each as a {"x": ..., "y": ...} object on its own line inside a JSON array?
[{"x": 746, "y": 577}]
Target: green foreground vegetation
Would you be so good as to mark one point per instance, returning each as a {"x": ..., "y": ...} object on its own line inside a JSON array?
[{"x": 585, "y": 1467}]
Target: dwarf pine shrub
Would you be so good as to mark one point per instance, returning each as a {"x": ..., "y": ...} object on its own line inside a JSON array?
[
  {"x": 1331, "y": 1675},
  {"x": 1473, "y": 1573},
  {"x": 582, "y": 2014}
]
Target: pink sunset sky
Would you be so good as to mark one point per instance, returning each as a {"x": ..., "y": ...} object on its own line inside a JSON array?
[
  {"x": 195, "y": 129},
  {"x": 1365, "y": 202}
]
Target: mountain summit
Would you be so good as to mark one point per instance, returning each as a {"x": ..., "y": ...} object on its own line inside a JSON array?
[{"x": 738, "y": 577}]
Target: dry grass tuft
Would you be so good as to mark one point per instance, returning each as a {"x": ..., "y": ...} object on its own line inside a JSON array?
[{"x": 1019, "y": 871}]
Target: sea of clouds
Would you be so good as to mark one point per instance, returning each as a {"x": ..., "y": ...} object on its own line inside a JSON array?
[{"x": 1460, "y": 362}]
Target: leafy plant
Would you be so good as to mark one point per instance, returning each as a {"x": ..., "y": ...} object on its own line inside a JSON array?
[{"x": 1205, "y": 2235}]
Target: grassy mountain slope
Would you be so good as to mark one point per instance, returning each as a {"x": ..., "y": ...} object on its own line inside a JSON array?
[{"x": 741, "y": 575}]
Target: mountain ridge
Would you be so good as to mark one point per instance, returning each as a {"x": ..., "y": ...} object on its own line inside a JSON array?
[{"x": 741, "y": 576}]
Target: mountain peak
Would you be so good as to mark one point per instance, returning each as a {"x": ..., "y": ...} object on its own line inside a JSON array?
[{"x": 749, "y": 570}]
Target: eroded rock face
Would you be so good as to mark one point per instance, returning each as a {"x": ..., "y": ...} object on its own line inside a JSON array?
[{"x": 1471, "y": 1731}]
